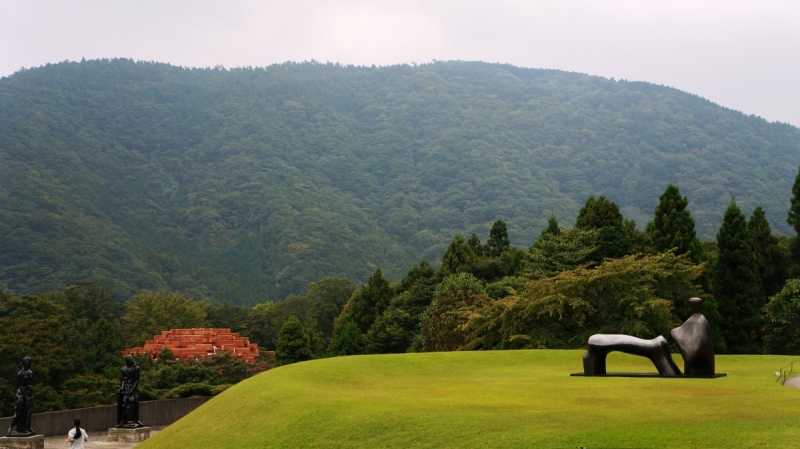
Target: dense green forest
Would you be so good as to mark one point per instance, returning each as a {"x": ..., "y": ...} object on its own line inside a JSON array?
[
  {"x": 245, "y": 185},
  {"x": 601, "y": 276}
]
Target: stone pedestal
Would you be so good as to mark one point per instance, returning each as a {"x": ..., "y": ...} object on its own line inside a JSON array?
[
  {"x": 128, "y": 435},
  {"x": 34, "y": 442}
]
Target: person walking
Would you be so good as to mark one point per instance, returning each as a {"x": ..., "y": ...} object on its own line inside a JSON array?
[{"x": 76, "y": 436}]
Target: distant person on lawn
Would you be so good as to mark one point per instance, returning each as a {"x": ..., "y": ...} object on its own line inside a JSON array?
[{"x": 76, "y": 436}]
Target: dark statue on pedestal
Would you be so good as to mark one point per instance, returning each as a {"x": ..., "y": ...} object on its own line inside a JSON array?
[
  {"x": 128, "y": 396},
  {"x": 23, "y": 407},
  {"x": 657, "y": 350},
  {"x": 693, "y": 338},
  {"x": 695, "y": 342}
]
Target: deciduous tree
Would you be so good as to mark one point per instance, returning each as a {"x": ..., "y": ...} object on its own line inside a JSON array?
[
  {"x": 782, "y": 320},
  {"x": 441, "y": 326},
  {"x": 147, "y": 314}
]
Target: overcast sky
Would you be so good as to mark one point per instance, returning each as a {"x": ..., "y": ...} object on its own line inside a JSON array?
[{"x": 743, "y": 55}]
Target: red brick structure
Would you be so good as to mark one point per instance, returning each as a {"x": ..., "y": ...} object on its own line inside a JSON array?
[{"x": 198, "y": 343}]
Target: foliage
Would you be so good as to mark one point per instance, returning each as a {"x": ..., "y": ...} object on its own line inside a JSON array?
[
  {"x": 104, "y": 355},
  {"x": 230, "y": 317},
  {"x": 498, "y": 240},
  {"x": 614, "y": 234},
  {"x": 769, "y": 258},
  {"x": 85, "y": 390},
  {"x": 441, "y": 326},
  {"x": 247, "y": 184},
  {"x": 634, "y": 295},
  {"x": 735, "y": 284},
  {"x": 782, "y": 320},
  {"x": 474, "y": 243},
  {"x": 328, "y": 298},
  {"x": 395, "y": 330},
  {"x": 367, "y": 303},
  {"x": 457, "y": 255},
  {"x": 570, "y": 248},
  {"x": 170, "y": 378},
  {"x": 41, "y": 328},
  {"x": 294, "y": 344},
  {"x": 794, "y": 209},
  {"x": 349, "y": 342},
  {"x": 673, "y": 225},
  {"x": 552, "y": 226},
  {"x": 148, "y": 314},
  {"x": 599, "y": 213},
  {"x": 265, "y": 320}
]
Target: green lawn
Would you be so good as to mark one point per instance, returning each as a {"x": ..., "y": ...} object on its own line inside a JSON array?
[{"x": 495, "y": 399}]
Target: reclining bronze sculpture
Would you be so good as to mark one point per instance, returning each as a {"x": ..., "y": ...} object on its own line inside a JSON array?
[{"x": 693, "y": 338}]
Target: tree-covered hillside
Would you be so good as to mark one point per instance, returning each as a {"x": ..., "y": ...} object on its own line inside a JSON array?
[{"x": 247, "y": 184}]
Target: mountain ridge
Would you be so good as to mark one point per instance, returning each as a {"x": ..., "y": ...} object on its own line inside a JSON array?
[{"x": 246, "y": 184}]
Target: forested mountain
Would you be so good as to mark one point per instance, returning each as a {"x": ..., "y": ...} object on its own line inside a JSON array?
[{"x": 246, "y": 184}]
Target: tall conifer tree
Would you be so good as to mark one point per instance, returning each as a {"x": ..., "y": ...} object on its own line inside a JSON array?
[
  {"x": 498, "y": 239},
  {"x": 475, "y": 243},
  {"x": 794, "y": 218},
  {"x": 612, "y": 236},
  {"x": 369, "y": 301},
  {"x": 735, "y": 284},
  {"x": 769, "y": 262},
  {"x": 673, "y": 225},
  {"x": 552, "y": 226},
  {"x": 457, "y": 254},
  {"x": 599, "y": 212},
  {"x": 294, "y": 344}
]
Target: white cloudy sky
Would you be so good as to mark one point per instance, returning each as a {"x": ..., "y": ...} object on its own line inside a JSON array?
[{"x": 741, "y": 54}]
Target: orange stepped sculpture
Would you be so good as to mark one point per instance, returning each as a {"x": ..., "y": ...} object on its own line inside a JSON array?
[{"x": 198, "y": 343}]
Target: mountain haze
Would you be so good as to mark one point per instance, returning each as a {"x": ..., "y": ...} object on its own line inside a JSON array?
[{"x": 246, "y": 184}]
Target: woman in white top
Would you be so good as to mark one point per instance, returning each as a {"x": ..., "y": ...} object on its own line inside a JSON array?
[{"x": 76, "y": 436}]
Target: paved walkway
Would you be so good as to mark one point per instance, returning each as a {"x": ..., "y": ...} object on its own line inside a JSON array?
[
  {"x": 97, "y": 439},
  {"x": 793, "y": 382}
]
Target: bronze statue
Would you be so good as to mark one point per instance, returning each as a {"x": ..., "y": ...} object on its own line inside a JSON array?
[
  {"x": 695, "y": 342},
  {"x": 693, "y": 338},
  {"x": 23, "y": 408},
  {"x": 657, "y": 350},
  {"x": 128, "y": 396}
]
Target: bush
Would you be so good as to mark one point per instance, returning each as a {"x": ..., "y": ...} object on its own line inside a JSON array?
[
  {"x": 350, "y": 341},
  {"x": 294, "y": 344},
  {"x": 442, "y": 324},
  {"x": 782, "y": 320},
  {"x": 634, "y": 295}
]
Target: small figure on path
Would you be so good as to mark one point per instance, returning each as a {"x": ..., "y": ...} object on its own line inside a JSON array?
[
  {"x": 76, "y": 436},
  {"x": 23, "y": 408},
  {"x": 128, "y": 396}
]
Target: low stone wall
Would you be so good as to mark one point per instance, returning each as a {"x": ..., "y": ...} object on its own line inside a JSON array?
[{"x": 151, "y": 413}]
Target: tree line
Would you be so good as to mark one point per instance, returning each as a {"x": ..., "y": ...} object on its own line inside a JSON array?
[{"x": 601, "y": 276}]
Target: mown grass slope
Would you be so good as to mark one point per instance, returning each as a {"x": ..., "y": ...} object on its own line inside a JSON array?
[{"x": 494, "y": 399}]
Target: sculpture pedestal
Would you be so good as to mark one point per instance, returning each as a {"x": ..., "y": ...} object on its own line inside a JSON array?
[
  {"x": 128, "y": 435},
  {"x": 33, "y": 442}
]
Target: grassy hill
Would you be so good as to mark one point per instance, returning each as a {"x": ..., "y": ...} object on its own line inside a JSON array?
[
  {"x": 494, "y": 399},
  {"x": 247, "y": 184}
]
